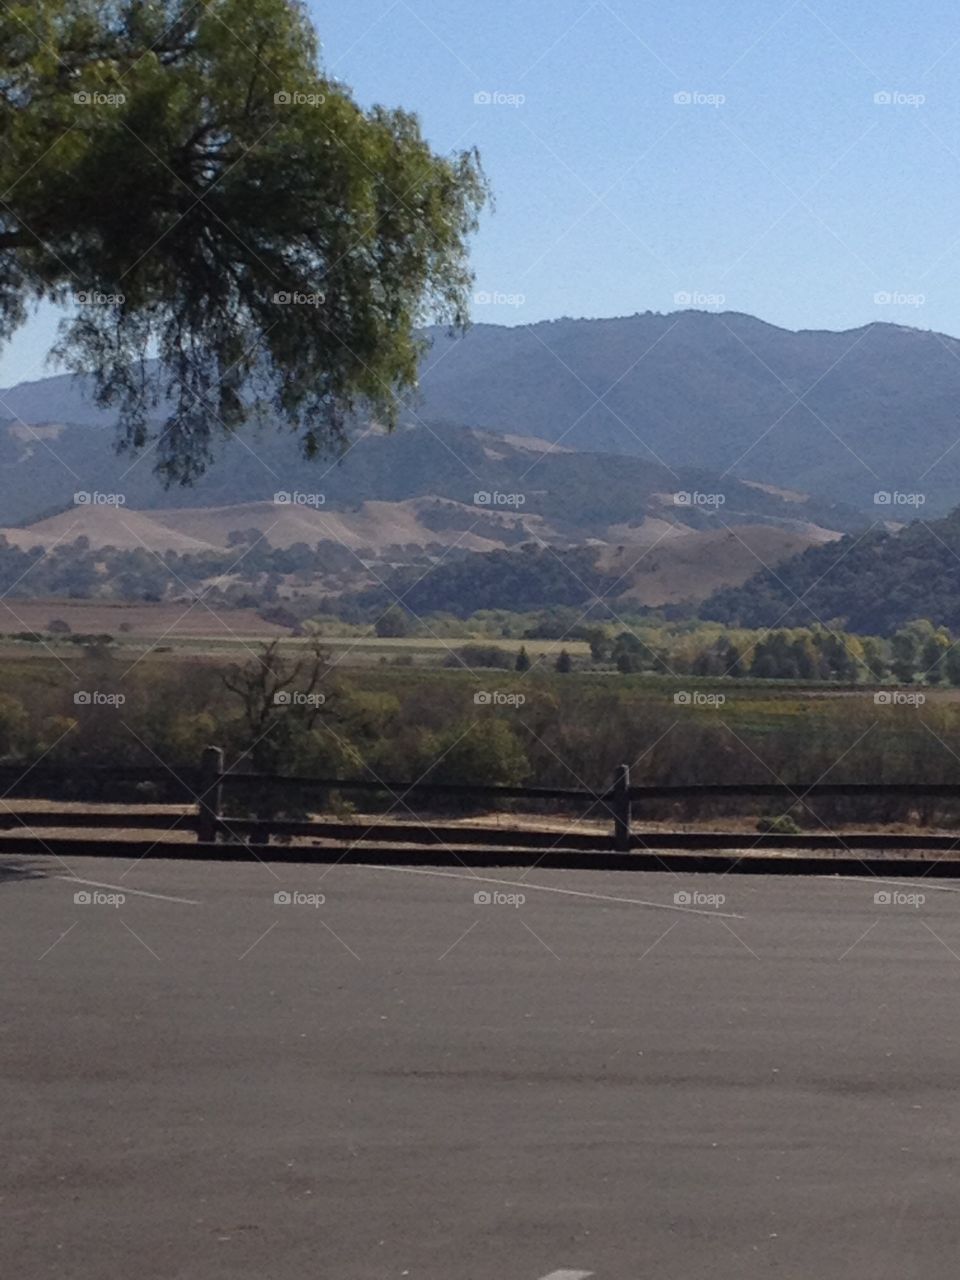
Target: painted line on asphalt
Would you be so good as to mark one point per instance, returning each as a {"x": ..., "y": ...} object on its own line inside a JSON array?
[
  {"x": 549, "y": 888},
  {"x": 122, "y": 888},
  {"x": 567, "y": 1275},
  {"x": 910, "y": 884}
]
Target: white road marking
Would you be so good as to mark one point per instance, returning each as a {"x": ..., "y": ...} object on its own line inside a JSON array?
[
  {"x": 122, "y": 888},
  {"x": 910, "y": 884},
  {"x": 567, "y": 1275},
  {"x": 549, "y": 888}
]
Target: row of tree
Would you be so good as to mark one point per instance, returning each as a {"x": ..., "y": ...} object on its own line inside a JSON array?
[{"x": 918, "y": 652}]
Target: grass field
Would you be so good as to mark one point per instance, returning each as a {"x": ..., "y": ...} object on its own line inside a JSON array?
[{"x": 197, "y": 629}]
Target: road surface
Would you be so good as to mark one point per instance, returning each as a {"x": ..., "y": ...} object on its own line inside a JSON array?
[{"x": 581, "y": 1074}]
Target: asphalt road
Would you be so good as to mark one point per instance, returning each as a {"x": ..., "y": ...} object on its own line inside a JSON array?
[{"x": 403, "y": 1082}]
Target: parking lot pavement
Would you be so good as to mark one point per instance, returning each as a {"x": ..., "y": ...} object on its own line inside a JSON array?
[{"x": 387, "y": 1072}]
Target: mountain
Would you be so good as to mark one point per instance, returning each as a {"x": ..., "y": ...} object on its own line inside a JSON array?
[
  {"x": 665, "y": 458},
  {"x": 839, "y": 415},
  {"x": 836, "y": 415},
  {"x": 872, "y": 582}
]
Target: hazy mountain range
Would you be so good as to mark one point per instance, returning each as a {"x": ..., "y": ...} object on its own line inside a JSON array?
[
  {"x": 836, "y": 415},
  {"x": 568, "y": 433}
]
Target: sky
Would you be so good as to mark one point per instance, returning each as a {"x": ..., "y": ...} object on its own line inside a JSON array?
[{"x": 798, "y": 161}]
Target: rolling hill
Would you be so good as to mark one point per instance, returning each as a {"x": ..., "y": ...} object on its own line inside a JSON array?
[
  {"x": 554, "y": 492},
  {"x": 653, "y": 552}
]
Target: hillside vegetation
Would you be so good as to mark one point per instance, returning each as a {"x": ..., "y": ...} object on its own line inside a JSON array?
[{"x": 873, "y": 582}]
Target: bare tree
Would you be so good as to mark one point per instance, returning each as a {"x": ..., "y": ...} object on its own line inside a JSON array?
[{"x": 269, "y": 682}]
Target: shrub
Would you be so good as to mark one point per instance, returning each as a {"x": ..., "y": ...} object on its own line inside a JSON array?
[
  {"x": 781, "y": 825},
  {"x": 479, "y": 655}
]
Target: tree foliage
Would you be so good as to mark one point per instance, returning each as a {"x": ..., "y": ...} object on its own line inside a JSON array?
[{"x": 188, "y": 179}]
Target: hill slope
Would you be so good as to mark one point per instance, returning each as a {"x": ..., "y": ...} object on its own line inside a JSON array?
[
  {"x": 872, "y": 582},
  {"x": 578, "y": 494}
]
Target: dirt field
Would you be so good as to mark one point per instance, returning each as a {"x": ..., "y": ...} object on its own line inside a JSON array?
[{"x": 138, "y": 621}]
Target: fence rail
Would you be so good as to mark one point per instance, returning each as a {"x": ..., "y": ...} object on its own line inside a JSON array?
[{"x": 209, "y": 789}]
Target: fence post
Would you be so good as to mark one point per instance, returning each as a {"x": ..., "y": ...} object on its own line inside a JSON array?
[
  {"x": 210, "y": 801},
  {"x": 621, "y": 809}
]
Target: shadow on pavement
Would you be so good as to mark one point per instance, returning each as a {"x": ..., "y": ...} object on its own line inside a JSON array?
[{"x": 14, "y": 869}]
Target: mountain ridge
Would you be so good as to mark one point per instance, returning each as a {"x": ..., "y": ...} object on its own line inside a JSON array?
[{"x": 838, "y": 414}]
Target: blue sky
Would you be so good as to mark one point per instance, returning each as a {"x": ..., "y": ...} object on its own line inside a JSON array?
[{"x": 782, "y": 188}]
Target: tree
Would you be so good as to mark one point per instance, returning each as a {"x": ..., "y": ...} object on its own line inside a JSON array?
[
  {"x": 721, "y": 658},
  {"x": 564, "y": 663},
  {"x": 13, "y": 725},
  {"x": 731, "y": 658},
  {"x": 631, "y": 654},
  {"x": 265, "y": 688},
  {"x": 489, "y": 753},
  {"x": 907, "y": 647},
  {"x": 394, "y": 624},
  {"x": 600, "y": 644},
  {"x": 523, "y": 660},
  {"x": 952, "y": 664},
  {"x": 805, "y": 657},
  {"x": 932, "y": 656},
  {"x": 187, "y": 177},
  {"x": 875, "y": 658}
]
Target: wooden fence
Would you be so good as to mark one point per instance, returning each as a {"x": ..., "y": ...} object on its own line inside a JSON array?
[{"x": 212, "y": 827}]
